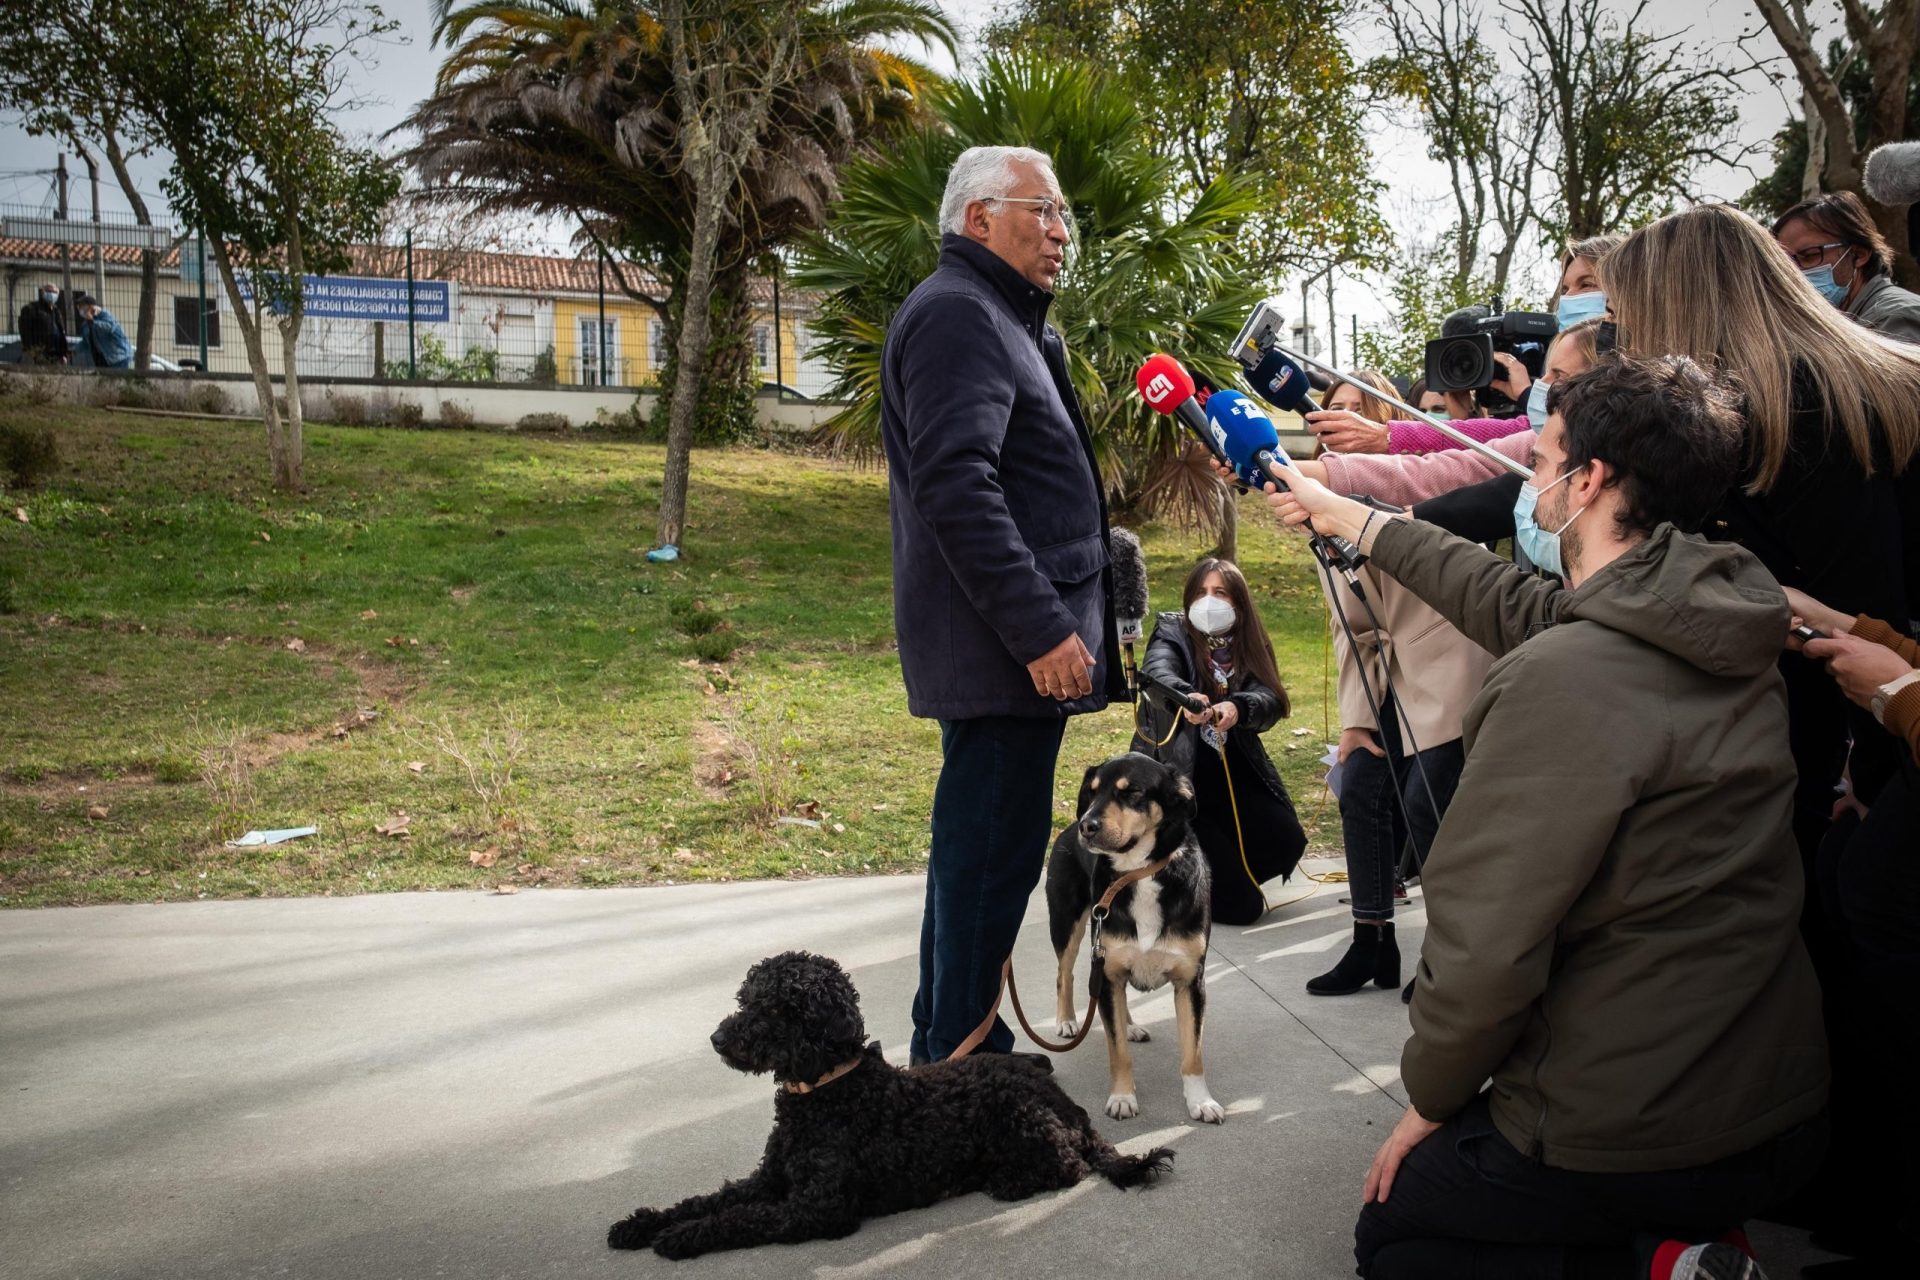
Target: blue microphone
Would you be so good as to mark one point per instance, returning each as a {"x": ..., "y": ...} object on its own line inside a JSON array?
[
  {"x": 1281, "y": 383},
  {"x": 1246, "y": 435}
]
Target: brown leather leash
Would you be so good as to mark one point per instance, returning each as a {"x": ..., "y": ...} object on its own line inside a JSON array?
[{"x": 1095, "y": 919}]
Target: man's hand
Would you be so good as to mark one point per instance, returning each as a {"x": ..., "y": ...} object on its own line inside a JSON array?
[
  {"x": 1860, "y": 666},
  {"x": 1345, "y": 431},
  {"x": 1063, "y": 672},
  {"x": 1512, "y": 377},
  {"x": 1307, "y": 499},
  {"x": 1352, "y": 740},
  {"x": 1412, "y": 1130}
]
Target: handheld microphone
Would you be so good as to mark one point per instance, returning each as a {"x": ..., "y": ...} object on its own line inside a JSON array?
[
  {"x": 1168, "y": 388},
  {"x": 1281, "y": 383},
  {"x": 1248, "y": 438}
]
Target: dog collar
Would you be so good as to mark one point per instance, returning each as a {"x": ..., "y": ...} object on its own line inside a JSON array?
[{"x": 796, "y": 1086}]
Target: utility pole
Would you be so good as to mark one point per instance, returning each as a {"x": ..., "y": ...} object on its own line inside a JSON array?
[
  {"x": 66, "y": 250},
  {"x": 1333, "y": 332},
  {"x": 200, "y": 252},
  {"x": 99, "y": 254},
  {"x": 600, "y": 344},
  {"x": 412, "y": 369}
]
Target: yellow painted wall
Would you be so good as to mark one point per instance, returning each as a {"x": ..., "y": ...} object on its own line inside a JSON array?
[{"x": 632, "y": 360}]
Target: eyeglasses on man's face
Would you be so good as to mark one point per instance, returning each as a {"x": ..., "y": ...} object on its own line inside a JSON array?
[
  {"x": 1046, "y": 208},
  {"x": 1810, "y": 257}
]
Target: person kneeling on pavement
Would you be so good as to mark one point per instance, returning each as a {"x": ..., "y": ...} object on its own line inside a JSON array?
[
  {"x": 1613, "y": 899},
  {"x": 1218, "y": 649}
]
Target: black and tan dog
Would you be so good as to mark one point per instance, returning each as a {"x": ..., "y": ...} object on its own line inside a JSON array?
[{"x": 1132, "y": 811}]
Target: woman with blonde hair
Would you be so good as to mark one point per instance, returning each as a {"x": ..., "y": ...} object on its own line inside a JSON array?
[{"x": 1832, "y": 426}]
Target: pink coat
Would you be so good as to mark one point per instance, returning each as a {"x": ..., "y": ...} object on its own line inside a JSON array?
[
  {"x": 1418, "y": 437},
  {"x": 1404, "y": 479}
]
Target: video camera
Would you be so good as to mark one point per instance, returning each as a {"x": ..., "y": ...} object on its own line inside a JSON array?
[{"x": 1463, "y": 360}]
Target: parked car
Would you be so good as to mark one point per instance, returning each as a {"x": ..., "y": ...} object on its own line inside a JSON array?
[{"x": 11, "y": 352}]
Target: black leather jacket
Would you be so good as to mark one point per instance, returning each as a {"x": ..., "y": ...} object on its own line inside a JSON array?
[{"x": 1170, "y": 660}]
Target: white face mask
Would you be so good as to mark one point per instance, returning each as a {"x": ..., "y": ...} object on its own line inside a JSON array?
[{"x": 1211, "y": 616}]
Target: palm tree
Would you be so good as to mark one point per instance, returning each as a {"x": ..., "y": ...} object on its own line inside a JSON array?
[
  {"x": 572, "y": 108},
  {"x": 1143, "y": 275}
]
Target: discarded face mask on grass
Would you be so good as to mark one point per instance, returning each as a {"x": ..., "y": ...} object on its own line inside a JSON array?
[{"x": 254, "y": 838}]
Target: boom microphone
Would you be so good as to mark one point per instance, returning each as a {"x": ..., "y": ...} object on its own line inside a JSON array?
[{"x": 1893, "y": 173}]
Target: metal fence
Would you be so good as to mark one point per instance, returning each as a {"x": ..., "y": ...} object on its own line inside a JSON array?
[{"x": 483, "y": 317}]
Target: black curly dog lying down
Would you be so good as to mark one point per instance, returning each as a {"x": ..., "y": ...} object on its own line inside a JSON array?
[{"x": 855, "y": 1138}]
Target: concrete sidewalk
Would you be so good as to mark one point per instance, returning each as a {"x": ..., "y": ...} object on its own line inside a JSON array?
[{"x": 465, "y": 1085}]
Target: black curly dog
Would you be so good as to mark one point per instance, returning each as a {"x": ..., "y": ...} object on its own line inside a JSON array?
[{"x": 855, "y": 1138}]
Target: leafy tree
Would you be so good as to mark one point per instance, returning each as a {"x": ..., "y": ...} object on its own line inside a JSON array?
[
  {"x": 1481, "y": 121},
  {"x": 1262, "y": 88},
  {"x": 1861, "y": 96},
  {"x": 1151, "y": 269},
  {"x": 1630, "y": 116},
  {"x": 688, "y": 138},
  {"x": 239, "y": 93},
  {"x": 50, "y": 56}
]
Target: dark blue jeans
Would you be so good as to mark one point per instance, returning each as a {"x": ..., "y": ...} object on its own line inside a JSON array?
[
  {"x": 992, "y": 819},
  {"x": 1371, "y": 822},
  {"x": 1467, "y": 1206}
]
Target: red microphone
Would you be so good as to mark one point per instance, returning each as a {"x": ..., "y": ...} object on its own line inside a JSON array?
[{"x": 1168, "y": 388}]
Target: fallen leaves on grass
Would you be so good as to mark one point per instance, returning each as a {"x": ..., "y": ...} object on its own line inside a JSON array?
[
  {"x": 368, "y": 615},
  {"x": 400, "y": 642},
  {"x": 95, "y": 812},
  {"x": 808, "y": 808},
  {"x": 416, "y": 766},
  {"x": 395, "y": 826},
  {"x": 20, "y": 514},
  {"x": 361, "y": 717},
  {"x": 484, "y": 857},
  {"x": 265, "y": 536},
  {"x": 686, "y": 856},
  {"x": 297, "y": 645},
  {"x": 505, "y": 890}
]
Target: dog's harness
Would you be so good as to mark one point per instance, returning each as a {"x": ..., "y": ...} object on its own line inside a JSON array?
[
  {"x": 800, "y": 1086},
  {"x": 1095, "y": 920}
]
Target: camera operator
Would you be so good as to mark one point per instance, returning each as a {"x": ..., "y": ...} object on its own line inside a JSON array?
[
  {"x": 1458, "y": 489},
  {"x": 1612, "y": 906},
  {"x": 1834, "y": 244}
]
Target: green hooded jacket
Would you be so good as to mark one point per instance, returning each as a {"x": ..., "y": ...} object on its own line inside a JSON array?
[{"x": 1613, "y": 898}]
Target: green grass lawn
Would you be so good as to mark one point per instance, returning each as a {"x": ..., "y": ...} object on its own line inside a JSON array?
[{"x": 459, "y": 627}]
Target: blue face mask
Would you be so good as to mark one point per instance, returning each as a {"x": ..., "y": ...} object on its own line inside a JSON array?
[
  {"x": 1537, "y": 407},
  {"x": 1540, "y": 546},
  {"x": 1575, "y": 307},
  {"x": 1821, "y": 278}
]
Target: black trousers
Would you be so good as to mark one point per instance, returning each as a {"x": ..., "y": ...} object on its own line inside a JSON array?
[
  {"x": 1467, "y": 1206},
  {"x": 1274, "y": 837}
]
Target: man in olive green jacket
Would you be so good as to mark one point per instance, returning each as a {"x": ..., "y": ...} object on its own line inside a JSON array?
[{"x": 1613, "y": 898}]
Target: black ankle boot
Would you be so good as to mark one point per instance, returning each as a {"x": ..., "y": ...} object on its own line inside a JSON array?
[{"x": 1374, "y": 957}]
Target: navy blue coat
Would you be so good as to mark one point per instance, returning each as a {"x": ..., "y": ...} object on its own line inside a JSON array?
[{"x": 999, "y": 521}]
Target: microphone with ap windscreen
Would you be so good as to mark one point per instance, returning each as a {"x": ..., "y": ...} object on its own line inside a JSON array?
[
  {"x": 1129, "y": 597},
  {"x": 1892, "y": 177}
]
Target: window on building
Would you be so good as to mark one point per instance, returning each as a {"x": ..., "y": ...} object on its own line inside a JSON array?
[
  {"x": 763, "y": 348},
  {"x": 591, "y": 348},
  {"x": 186, "y": 327},
  {"x": 659, "y": 344}
]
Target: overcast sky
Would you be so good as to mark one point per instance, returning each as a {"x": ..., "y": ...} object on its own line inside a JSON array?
[{"x": 1414, "y": 204}]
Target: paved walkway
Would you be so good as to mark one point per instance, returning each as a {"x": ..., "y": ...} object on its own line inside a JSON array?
[{"x": 464, "y": 1085}]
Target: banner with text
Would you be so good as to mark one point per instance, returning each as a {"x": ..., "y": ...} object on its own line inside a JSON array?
[{"x": 370, "y": 298}]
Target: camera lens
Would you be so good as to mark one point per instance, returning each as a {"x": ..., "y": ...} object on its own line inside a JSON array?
[{"x": 1461, "y": 364}]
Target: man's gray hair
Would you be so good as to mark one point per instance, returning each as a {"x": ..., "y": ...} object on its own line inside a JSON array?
[{"x": 979, "y": 174}]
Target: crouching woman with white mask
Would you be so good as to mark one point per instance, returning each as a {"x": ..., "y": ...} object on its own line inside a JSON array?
[{"x": 1217, "y": 648}]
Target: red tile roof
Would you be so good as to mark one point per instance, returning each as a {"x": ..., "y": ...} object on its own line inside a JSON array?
[{"x": 510, "y": 272}]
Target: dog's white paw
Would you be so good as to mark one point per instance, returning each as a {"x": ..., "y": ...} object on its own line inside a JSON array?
[
  {"x": 1066, "y": 1027},
  {"x": 1137, "y": 1033},
  {"x": 1200, "y": 1103},
  {"x": 1122, "y": 1106}
]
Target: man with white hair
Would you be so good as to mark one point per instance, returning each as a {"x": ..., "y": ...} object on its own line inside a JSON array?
[{"x": 1002, "y": 599}]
